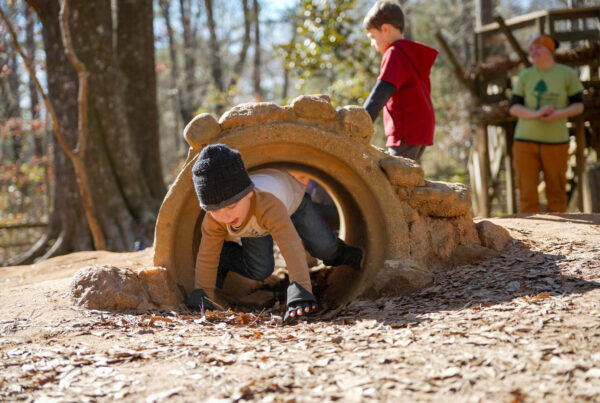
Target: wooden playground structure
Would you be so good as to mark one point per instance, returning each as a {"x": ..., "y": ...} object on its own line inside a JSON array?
[{"x": 500, "y": 53}]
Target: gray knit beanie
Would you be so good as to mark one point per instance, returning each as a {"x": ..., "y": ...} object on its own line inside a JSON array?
[{"x": 220, "y": 178}]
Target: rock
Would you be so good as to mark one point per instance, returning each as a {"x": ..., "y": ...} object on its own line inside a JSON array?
[
  {"x": 441, "y": 199},
  {"x": 492, "y": 236},
  {"x": 314, "y": 107},
  {"x": 107, "y": 288},
  {"x": 121, "y": 289},
  {"x": 254, "y": 113},
  {"x": 403, "y": 171},
  {"x": 443, "y": 237},
  {"x": 465, "y": 230},
  {"x": 356, "y": 122},
  {"x": 399, "y": 277},
  {"x": 470, "y": 254},
  {"x": 201, "y": 130},
  {"x": 161, "y": 289}
]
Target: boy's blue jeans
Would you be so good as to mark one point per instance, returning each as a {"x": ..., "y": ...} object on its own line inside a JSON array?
[{"x": 254, "y": 258}]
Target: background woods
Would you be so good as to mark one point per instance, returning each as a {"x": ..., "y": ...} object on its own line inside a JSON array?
[{"x": 153, "y": 65}]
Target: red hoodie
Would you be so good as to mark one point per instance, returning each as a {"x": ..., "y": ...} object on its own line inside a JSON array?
[{"x": 408, "y": 116}]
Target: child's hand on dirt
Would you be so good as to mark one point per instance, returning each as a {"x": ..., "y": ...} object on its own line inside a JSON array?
[
  {"x": 300, "y": 303},
  {"x": 299, "y": 310}
]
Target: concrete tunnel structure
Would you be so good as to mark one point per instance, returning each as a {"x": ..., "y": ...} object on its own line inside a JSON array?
[{"x": 407, "y": 226}]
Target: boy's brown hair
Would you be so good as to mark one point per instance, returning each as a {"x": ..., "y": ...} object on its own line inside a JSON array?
[{"x": 384, "y": 12}]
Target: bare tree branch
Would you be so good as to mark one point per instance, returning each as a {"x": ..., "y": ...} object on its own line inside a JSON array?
[{"x": 77, "y": 156}]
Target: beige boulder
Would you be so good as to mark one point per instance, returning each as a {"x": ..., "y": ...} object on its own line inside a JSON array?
[
  {"x": 441, "y": 199},
  {"x": 201, "y": 130},
  {"x": 254, "y": 113},
  {"x": 107, "y": 288},
  {"x": 356, "y": 122},
  {"x": 121, "y": 289},
  {"x": 161, "y": 290},
  {"x": 398, "y": 277},
  {"x": 314, "y": 107},
  {"x": 403, "y": 171},
  {"x": 493, "y": 236},
  {"x": 470, "y": 254}
]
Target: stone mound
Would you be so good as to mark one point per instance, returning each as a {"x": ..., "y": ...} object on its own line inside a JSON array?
[{"x": 122, "y": 289}]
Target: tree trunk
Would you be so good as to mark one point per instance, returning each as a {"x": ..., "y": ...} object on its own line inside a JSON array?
[
  {"x": 135, "y": 48},
  {"x": 67, "y": 221},
  {"x": 239, "y": 65},
  {"x": 11, "y": 92},
  {"x": 179, "y": 107},
  {"x": 33, "y": 94},
  {"x": 256, "y": 76},
  {"x": 216, "y": 66},
  {"x": 120, "y": 163},
  {"x": 189, "y": 60}
]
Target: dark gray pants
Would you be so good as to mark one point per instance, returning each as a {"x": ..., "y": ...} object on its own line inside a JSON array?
[{"x": 412, "y": 152}]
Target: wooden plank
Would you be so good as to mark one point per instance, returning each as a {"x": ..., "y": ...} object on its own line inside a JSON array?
[
  {"x": 579, "y": 12},
  {"x": 484, "y": 170},
  {"x": 588, "y": 34},
  {"x": 531, "y": 18},
  {"x": 580, "y": 159},
  {"x": 593, "y": 185},
  {"x": 513, "y": 41},
  {"x": 522, "y": 20},
  {"x": 459, "y": 70},
  {"x": 511, "y": 198}
]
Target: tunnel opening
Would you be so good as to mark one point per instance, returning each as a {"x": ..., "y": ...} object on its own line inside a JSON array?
[{"x": 341, "y": 213}]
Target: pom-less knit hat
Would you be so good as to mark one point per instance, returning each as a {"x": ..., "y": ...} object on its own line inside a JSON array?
[
  {"x": 545, "y": 40},
  {"x": 220, "y": 178}
]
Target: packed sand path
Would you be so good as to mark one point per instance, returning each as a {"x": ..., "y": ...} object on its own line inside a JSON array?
[{"x": 521, "y": 327}]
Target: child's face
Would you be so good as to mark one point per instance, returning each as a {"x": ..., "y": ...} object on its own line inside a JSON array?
[
  {"x": 235, "y": 213},
  {"x": 378, "y": 39}
]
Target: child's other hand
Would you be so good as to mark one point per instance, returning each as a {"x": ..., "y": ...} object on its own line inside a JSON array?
[
  {"x": 550, "y": 117},
  {"x": 300, "y": 303},
  {"x": 297, "y": 311},
  {"x": 198, "y": 301},
  {"x": 545, "y": 111}
]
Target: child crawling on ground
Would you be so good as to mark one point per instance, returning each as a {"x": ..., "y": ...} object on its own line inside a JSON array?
[{"x": 256, "y": 209}]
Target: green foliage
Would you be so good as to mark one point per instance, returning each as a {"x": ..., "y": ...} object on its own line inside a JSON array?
[{"x": 330, "y": 50}]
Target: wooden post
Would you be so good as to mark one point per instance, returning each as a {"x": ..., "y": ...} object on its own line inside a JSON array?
[
  {"x": 541, "y": 22},
  {"x": 593, "y": 184},
  {"x": 511, "y": 200},
  {"x": 459, "y": 70},
  {"x": 484, "y": 169},
  {"x": 580, "y": 158},
  {"x": 512, "y": 41}
]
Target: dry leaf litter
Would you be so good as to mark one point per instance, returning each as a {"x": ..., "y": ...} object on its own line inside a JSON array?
[{"x": 520, "y": 327}]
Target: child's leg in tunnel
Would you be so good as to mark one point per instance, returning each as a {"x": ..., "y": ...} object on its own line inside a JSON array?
[
  {"x": 319, "y": 241},
  {"x": 253, "y": 259},
  {"x": 316, "y": 236}
]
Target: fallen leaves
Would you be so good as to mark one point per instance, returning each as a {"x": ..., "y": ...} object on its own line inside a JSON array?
[{"x": 520, "y": 327}]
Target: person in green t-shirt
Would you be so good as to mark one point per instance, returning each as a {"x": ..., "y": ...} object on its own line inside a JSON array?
[{"x": 545, "y": 95}]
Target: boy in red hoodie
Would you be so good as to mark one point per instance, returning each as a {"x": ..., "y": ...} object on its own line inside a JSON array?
[{"x": 403, "y": 89}]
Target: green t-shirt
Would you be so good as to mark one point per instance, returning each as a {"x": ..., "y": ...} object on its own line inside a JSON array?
[{"x": 546, "y": 87}]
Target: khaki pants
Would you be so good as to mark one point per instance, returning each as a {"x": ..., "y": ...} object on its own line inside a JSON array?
[{"x": 529, "y": 159}]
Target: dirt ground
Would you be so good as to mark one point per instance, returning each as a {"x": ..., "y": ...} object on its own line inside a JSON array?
[{"x": 521, "y": 327}]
